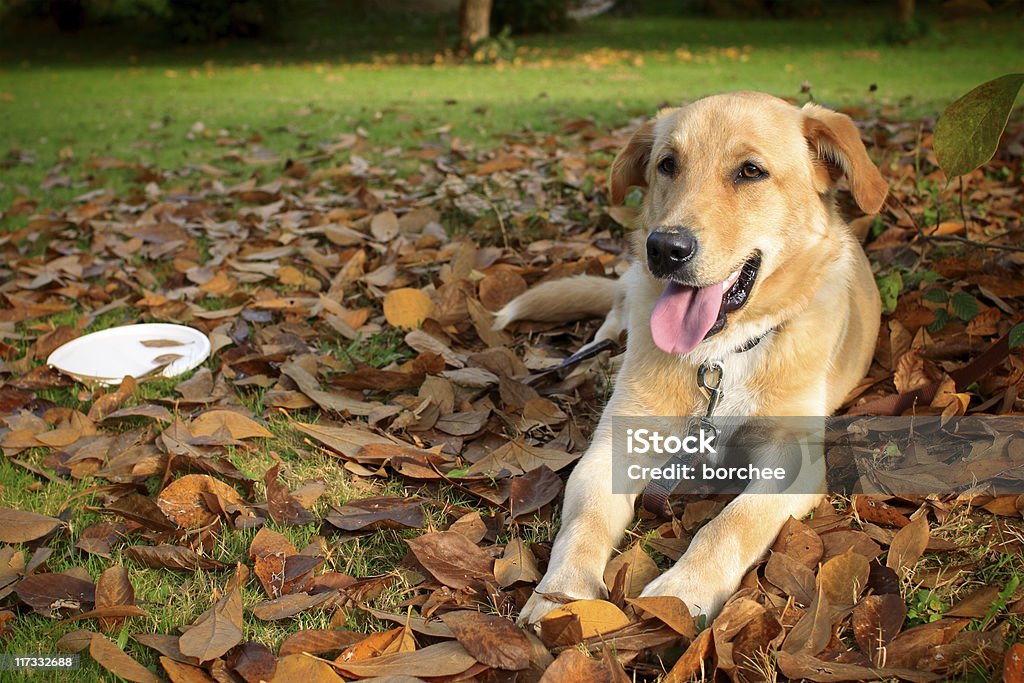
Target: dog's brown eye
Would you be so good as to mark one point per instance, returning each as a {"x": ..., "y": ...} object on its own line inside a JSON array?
[
  {"x": 750, "y": 171},
  {"x": 667, "y": 166}
]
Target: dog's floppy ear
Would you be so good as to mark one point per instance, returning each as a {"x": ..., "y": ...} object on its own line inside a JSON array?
[
  {"x": 837, "y": 147},
  {"x": 630, "y": 166}
]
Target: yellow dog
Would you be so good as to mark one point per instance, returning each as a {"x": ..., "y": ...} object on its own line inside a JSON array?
[{"x": 742, "y": 258}]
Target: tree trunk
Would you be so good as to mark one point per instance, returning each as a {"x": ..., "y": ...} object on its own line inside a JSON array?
[
  {"x": 906, "y": 11},
  {"x": 474, "y": 22}
]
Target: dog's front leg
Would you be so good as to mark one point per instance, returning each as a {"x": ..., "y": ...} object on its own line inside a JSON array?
[
  {"x": 724, "y": 550},
  {"x": 593, "y": 521}
]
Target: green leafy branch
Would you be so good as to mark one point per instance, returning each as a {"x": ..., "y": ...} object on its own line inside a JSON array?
[{"x": 967, "y": 134}]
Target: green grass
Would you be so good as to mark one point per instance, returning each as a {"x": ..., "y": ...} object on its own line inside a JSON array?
[
  {"x": 100, "y": 95},
  {"x": 177, "y": 598}
]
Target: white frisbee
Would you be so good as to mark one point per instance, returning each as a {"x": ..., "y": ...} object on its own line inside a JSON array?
[{"x": 109, "y": 355}]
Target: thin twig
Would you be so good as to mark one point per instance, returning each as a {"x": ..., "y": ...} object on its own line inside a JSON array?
[
  {"x": 917, "y": 226},
  {"x": 501, "y": 222},
  {"x": 924, "y": 239},
  {"x": 974, "y": 243},
  {"x": 963, "y": 211}
]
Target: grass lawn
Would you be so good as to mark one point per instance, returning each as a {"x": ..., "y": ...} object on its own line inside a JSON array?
[
  {"x": 110, "y": 95},
  {"x": 73, "y": 108}
]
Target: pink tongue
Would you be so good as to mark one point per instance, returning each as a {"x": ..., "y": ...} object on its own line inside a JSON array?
[{"x": 683, "y": 315}]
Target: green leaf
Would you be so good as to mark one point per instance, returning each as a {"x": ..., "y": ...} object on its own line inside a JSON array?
[
  {"x": 890, "y": 286},
  {"x": 965, "y": 306},
  {"x": 915, "y": 278},
  {"x": 1017, "y": 336},
  {"x": 967, "y": 133},
  {"x": 634, "y": 198},
  {"x": 941, "y": 319},
  {"x": 1002, "y": 599},
  {"x": 936, "y": 296},
  {"x": 877, "y": 227}
]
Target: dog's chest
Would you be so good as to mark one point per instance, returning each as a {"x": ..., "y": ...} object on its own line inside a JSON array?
[
  {"x": 673, "y": 389},
  {"x": 739, "y": 398}
]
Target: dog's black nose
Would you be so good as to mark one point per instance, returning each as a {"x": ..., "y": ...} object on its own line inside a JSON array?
[{"x": 669, "y": 250}]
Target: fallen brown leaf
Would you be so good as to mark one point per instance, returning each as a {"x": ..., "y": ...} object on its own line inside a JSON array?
[
  {"x": 807, "y": 667},
  {"x": 319, "y": 642},
  {"x": 452, "y": 559},
  {"x": 572, "y": 666},
  {"x": 638, "y": 569},
  {"x": 305, "y": 668},
  {"x": 19, "y": 526},
  {"x": 517, "y": 563},
  {"x": 908, "y": 545},
  {"x": 48, "y": 594},
  {"x": 407, "y": 308},
  {"x": 843, "y": 578},
  {"x": 442, "y": 659},
  {"x": 877, "y": 619},
  {"x": 238, "y": 426},
  {"x": 1013, "y": 664},
  {"x": 108, "y": 403},
  {"x": 490, "y": 640},
  {"x": 669, "y": 610},
  {"x": 172, "y": 557},
  {"x": 113, "y": 589},
  {"x": 183, "y": 673},
  {"x": 219, "y": 628},
  {"x": 368, "y": 514},
  {"x": 283, "y": 506},
  {"x": 575, "y": 621},
  {"x": 113, "y": 659},
  {"x": 184, "y": 499}
]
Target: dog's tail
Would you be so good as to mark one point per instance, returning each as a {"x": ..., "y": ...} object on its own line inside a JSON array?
[{"x": 570, "y": 298}]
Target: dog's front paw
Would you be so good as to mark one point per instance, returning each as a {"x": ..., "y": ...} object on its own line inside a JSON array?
[
  {"x": 540, "y": 604},
  {"x": 535, "y": 609},
  {"x": 702, "y": 594}
]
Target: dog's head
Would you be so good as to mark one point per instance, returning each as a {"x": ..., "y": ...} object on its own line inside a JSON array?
[{"x": 738, "y": 207}]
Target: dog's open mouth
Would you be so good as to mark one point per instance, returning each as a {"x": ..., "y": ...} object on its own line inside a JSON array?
[{"x": 686, "y": 315}]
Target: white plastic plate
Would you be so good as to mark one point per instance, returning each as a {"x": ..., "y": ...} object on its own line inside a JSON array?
[{"x": 109, "y": 355}]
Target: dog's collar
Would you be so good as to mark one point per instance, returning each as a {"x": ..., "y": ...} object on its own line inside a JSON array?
[{"x": 751, "y": 343}]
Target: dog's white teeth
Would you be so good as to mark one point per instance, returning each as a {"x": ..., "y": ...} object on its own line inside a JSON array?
[{"x": 730, "y": 281}]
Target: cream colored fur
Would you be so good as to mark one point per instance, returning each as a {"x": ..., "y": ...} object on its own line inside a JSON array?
[
  {"x": 815, "y": 289},
  {"x": 572, "y": 298}
]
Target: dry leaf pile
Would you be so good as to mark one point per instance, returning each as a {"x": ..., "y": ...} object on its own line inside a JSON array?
[{"x": 303, "y": 282}]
